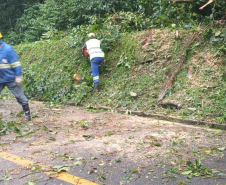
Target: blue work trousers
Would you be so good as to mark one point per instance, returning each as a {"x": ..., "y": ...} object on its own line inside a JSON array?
[
  {"x": 17, "y": 92},
  {"x": 96, "y": 65}
]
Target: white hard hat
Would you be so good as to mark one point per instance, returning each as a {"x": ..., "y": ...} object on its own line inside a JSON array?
[{"x": 91, "y": 35}]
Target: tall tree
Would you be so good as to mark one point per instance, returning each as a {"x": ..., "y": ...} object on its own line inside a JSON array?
[{"x": 11, "y": 10}]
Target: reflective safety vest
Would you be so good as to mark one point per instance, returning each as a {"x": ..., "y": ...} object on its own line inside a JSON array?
[
  {"x": 93, "y": 47},
  {"x": 10, "y": 66}
]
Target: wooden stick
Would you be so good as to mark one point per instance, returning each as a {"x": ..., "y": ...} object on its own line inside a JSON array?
[{"x": 209, "y": 2}]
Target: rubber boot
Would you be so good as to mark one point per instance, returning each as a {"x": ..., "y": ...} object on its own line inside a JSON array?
[
  {"x": 96, "y": 88},
  {"x": 27, "y": 112}
]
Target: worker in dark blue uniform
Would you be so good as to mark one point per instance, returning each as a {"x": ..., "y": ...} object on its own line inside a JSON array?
[
  {"x": 11, "y": 75},
  {"x": 96, "y": 58}
]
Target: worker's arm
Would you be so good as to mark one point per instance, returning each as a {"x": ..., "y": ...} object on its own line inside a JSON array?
[
  {"x": 83, "y": 48},
  {"x": 14, "y": 61},
  {"x": 209, "y": 2},
  {"x": 16, "y": 65}
]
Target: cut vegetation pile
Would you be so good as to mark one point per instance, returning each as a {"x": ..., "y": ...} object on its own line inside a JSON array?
[{"x": 133, "y": 75}]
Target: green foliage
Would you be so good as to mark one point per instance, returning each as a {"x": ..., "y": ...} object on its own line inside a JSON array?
[
  {"x": 11, "y": 11},
  {"x": 53, "y": 83},
  {"x": 196, "y": 169},
  {"x": 127, "y": 21},
  {"x": 61, "y": 15},
  {"x": 216, "y": 37},
  {"x": 183, "y": 15},
  {"x": 7, "y": 127},
  {"x": 7, "y": 177},
  {"x": 118, "y": 160},
  {"x": 84, "y": 124},
  {"x": 127, "y": 81},
  {"x": 50, "y": 19},
  {"x": 108, "y": 34},
  {"x": 35, "y": 21},
  {"x": 61, "y": 60}
]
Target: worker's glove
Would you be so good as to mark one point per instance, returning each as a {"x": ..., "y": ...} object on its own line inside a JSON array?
[{"x": 19, "y": 80}]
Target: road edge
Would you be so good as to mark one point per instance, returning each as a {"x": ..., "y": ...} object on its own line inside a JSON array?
[{"x": 160, "y": 117}]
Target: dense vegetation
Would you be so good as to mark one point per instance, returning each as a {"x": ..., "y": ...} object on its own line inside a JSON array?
[
  {"x": 128, "y": 81},
  {"x": 30, "y": 20}
]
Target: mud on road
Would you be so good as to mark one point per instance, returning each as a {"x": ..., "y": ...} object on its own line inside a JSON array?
[{"x": 108, "y": 148}]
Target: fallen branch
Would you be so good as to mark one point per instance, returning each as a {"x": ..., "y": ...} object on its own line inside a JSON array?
[
  {"x": 28, "y": 174},
  {"x": 113, "y": 152},
  {"x": 169, "y": 82},
  {"x": 209, "y": 2},
  {"x": 144, "y": 166},
  {"x": 173, "y": 103},
  {"x": 149, "y": 36}
]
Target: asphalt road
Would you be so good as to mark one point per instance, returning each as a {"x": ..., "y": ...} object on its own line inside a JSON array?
[{"x": 97, "y": 147}]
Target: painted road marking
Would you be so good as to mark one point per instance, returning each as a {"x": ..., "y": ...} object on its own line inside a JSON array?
[{"x": 62, "y": 175}]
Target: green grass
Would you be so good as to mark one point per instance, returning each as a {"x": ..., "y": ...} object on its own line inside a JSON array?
[{"x": 49, "y": 67}]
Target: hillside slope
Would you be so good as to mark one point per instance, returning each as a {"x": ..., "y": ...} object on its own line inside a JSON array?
[{"x": 133, "y": 75}]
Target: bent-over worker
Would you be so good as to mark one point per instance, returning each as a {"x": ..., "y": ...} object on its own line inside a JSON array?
[{"x": 96, "y": 58}]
